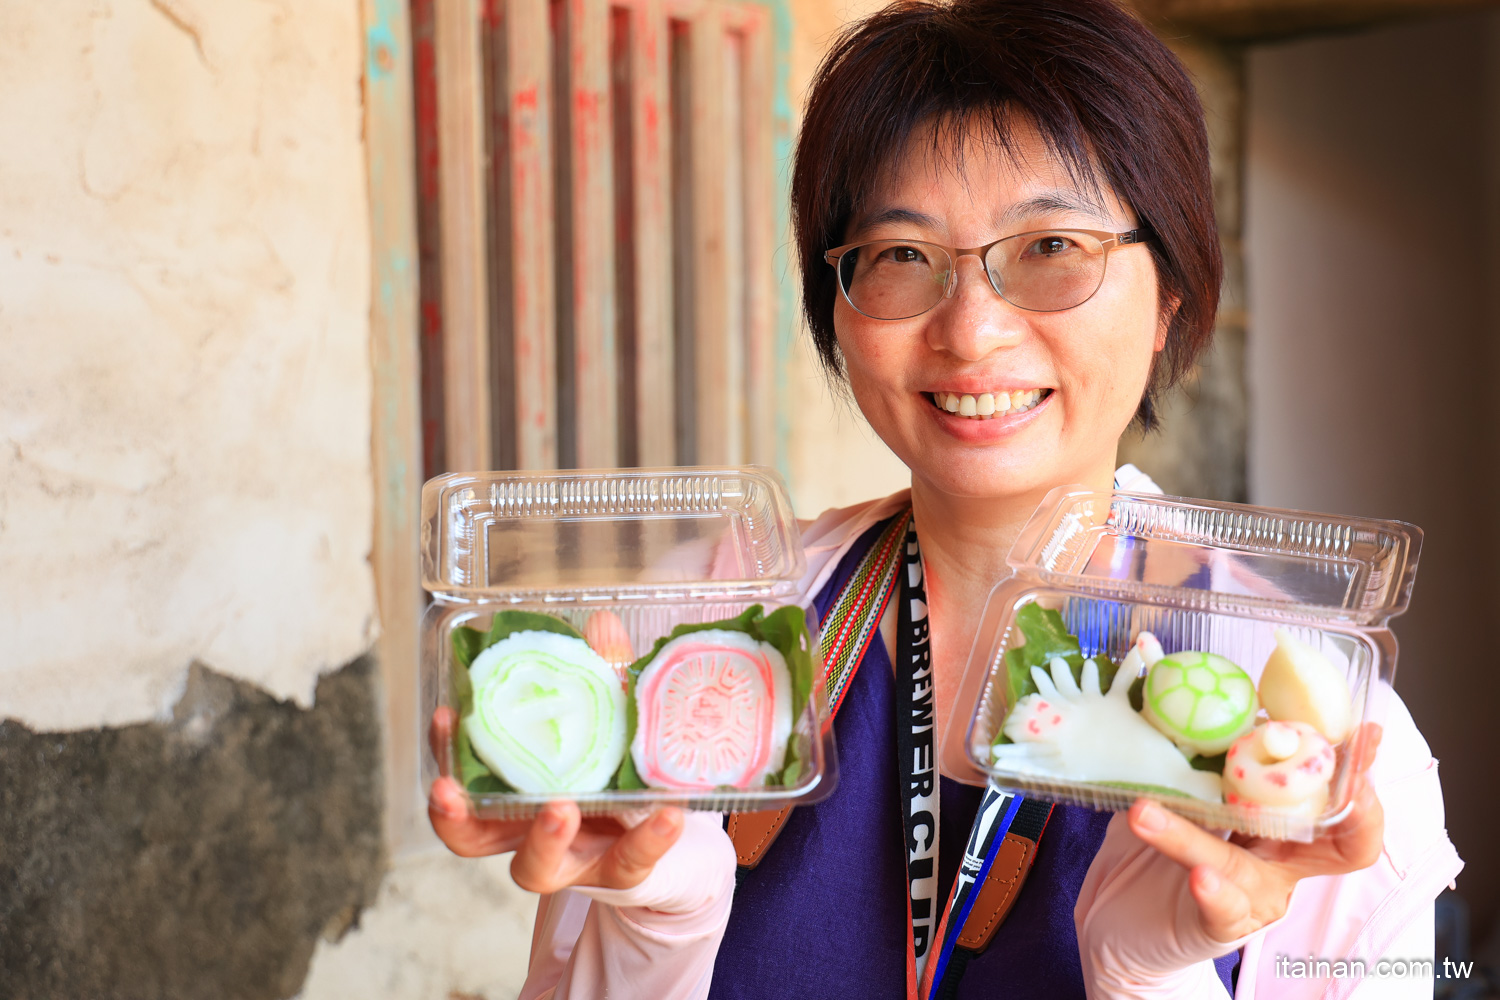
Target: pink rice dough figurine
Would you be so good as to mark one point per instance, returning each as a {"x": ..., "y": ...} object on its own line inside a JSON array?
[
  {"x": 714, "y": 710},
  {"x": 1285, "y": 766}
]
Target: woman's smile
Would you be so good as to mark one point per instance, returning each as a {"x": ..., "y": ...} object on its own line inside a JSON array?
[
  {"x": 985, "y": 416},
  {"x": 988, "y": 404}
]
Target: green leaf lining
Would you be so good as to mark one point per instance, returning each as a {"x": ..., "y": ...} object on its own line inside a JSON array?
[
  {"x": 785, "y": 629},
  {"x": 1132, "y": 786},
  {"x": 1214, "y": 763}
]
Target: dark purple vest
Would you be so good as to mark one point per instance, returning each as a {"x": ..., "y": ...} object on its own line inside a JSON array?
[{"x": 824, "y": 913}]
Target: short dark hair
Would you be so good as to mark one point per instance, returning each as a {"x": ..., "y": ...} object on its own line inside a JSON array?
[{"x": 1104, "y": 92}]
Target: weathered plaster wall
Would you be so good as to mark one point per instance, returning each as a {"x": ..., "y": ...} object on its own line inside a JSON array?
[
  {"x": 442, "y": 928},
  {"x": 190, "y": 769},
  {"x": 184, "y": 398},
  {"x": 200, "y": 857}
]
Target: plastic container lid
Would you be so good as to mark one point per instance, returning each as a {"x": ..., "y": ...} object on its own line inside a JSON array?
[
  {"x": 1287, "y": 564},
  {"x": 638, "y": 534},
  {"x": 1201, "y": 575}
]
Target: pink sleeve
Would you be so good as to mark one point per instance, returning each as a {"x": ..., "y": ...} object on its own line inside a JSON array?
[
  {"x": 1357, "y": 918},
  {"x": 657, "y": 941},
  {"x": 1139, "y": 935}
]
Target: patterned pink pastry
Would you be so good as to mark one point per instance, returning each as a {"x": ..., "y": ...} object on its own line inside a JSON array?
[
  {"x": 1279, "y": 765},
  {"x": 714, "y": 709}
]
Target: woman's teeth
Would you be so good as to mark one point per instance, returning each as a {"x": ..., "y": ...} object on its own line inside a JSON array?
[{"x": 989, "y": 404}]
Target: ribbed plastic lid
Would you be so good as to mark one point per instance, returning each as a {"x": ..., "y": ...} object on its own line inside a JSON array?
[
  {"x": 685, "y": 533},
  {"x": 1221, "y": 556}
]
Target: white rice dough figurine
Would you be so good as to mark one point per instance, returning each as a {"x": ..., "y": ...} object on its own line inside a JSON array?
[
  {"x": 1082, "y": 734},
  {"x": 1144, "y": 654}
]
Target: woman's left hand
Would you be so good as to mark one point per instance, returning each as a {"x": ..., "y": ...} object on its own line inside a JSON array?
[
  {"x": 1244, "y": 883},
  {"x": 1163, "y": 897}
]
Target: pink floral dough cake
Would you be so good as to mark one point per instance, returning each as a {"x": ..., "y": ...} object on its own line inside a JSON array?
[{"x": 713, "y": 710}]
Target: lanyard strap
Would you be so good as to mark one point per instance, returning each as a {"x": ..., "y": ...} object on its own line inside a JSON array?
[
  {"x": 849, "y": 626},
  {"x": 933, "y": 932},
  {"x": 939, "y": 942},
  {"x": 996, "y": 814},
  {"x": 917, "y": 766}
]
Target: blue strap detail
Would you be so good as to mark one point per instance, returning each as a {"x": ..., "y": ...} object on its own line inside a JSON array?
[{"x": 957, "y": 920}]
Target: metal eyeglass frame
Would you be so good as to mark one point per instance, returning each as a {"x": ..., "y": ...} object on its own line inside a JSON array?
[{"x": 1107, "y": 240}]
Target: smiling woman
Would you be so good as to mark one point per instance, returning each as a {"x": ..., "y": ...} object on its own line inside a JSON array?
[
  {"x": 1004, "y": 218},
  {"x": 1078, "y": 368},
  {"x": 1112, "y": 118}
]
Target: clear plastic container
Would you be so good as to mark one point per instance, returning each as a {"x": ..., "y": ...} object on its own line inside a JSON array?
[
  {"x": 656, "y": 547},
  {"x": 1200, "y": 575}
]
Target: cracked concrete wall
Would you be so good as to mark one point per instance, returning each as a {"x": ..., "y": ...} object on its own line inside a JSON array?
[{"x": 185, "y": 392}]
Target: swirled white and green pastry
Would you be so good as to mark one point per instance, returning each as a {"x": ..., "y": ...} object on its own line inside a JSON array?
[{"x": 549, "y": 713}]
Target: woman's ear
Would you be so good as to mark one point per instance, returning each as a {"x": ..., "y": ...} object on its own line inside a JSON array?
[{"x": 1164, "y": 323}]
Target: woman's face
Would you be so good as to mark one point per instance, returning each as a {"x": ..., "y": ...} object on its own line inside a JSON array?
[{"x": 1088, "y": 365}]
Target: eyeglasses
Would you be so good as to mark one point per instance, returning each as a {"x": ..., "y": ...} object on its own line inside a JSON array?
[{"x": 1043, "y": 271}]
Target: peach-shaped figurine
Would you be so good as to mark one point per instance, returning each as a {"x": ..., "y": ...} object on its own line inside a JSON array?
[
  {"x": 1285, "y": 766},
  {"x": 605, "y": 633}
]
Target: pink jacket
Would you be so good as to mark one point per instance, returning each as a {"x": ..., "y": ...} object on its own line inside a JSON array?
[{"x": 658, "y": 941}]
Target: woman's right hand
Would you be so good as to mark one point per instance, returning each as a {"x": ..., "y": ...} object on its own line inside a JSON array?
[{"x": 558, "y": 848}]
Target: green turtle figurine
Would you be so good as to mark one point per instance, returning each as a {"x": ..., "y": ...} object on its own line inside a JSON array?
[{"x": 1202, "y": 702}]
